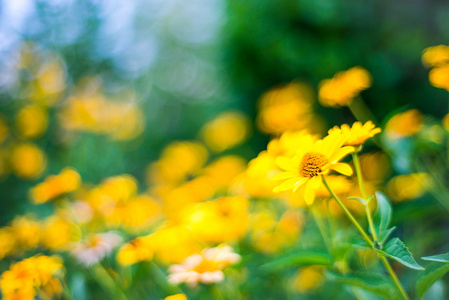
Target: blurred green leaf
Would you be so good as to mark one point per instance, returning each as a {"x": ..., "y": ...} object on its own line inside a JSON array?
[
  {"x": 433, "y": 272},
  {"x": 375, "y": 283},
  {"x": 444, "y": 258},
  {"x": 395, "y": 249},
  {"x": 298, "y": 259}
]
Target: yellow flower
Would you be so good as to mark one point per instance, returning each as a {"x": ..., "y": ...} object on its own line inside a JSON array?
[
  {"x": 28, "y": 161},
  {"x": 56, "y": 185},
  {"x": 439, "y": 77},
  {"x": 24, "y": 277},
  {"x": 358, "y": 133},
  {"x": 31, "y": 121},
  {"x": 407, "y": 187},
  {"x": 404, "y": 124},
  {"x": 303, "y": 170},
  {"x": 176, "y": 297},
  {"x": 308, "y": 279},
  {"x": 284, "y": 108},
  {"x": 139, "y": 249},
  {"x": 436, "y": 55},
  {"x": 343, "y": 87},
  {"x": 4, "y": 131},
  {"x": 226, "y": 131},
  {"x": 26, "y": 232}
]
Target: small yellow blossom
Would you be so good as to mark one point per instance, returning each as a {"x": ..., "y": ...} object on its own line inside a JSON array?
[
  {"x": 404, "y": 124},
  {"x": 285, "y": 108},
  {"x": 56, "y": 185},
  {"x": 407, "y": 187},
  {"x": 176, "y": 297},
  {"x": 57, "y": 232},
  {"x": 4, "y": 130},
  {"x": 32, "y": 121},
  {"x": 205, "y": 267},
  {"x": 358, "y": 133},
  {"x": 308, "y": 279},
  {"x": 139, "y": 249},
  {"x": 439, "y": 77},
  {"x": 226, "y": 131},
  {"x": 436, "y": 55},
  {"x": 303, "y": 171},
  {"x": 27, "y": 161},
  {"x": 343, "y": 87},
  {"x": 26, "y": 232}
]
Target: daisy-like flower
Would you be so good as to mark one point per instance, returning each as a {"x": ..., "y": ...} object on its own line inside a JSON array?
[
  {"x": 95, "y": 247},
  {"x": 205, "y": 267},
  {"x": 303, "y": 171},
  {"x": 358, "y": 133}
]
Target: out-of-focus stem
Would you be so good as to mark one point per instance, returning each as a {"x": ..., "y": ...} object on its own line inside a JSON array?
[{"x": 358, "y": 171}]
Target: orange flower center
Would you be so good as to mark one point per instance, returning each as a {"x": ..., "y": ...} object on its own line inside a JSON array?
[{"x": 311, "y": 164}]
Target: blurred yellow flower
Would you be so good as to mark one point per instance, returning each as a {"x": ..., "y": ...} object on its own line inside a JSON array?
[
  {"x": 375, "y": 166},
  {"x": 303, "y": 170},
  {"x": 343, "y": 87},
  {"x": 26, "y": 277},
  {"x": 358, "y": 133},
  {"x": 228, "y": 130},
  {"x": 139, "y": 249},
  {"x": 205, "y": 267},
  {"x": 7, "y": 241},
  {"x": 173, "y": 243},
  {"x": 57, "y": 232},
  {"x": 31, "y": 121},
  {"x": 308, "y": 279},
  {"x": 408, "y": 187},
  {"x": 404, "y": 124},
  {"x": 256, "y": 180},
  {"x": 436, "y": 55},
  {"x": 176, "y": 297},
  {"x": 56, "y": 185},
  {"x": 289, "y": 143},
  {"x": 26, "y": 232},
  {"x": 439, "y": 77},
  {"x": 284, "y": 108},
  {"x": 221, "y": 220},
  {"x": 27, "y": 161},
  {"x": 223, "y": 171}
]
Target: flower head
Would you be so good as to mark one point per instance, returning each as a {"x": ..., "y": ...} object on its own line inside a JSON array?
[
  {"x": 96, "y": 247},
  {"x": 358, "y": 133},
  {"x": 205, "y": 267},
  {"x": 303, "y": 170},
  {"x": 344, "y": 86}
]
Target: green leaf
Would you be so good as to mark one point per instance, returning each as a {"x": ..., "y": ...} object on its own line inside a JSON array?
[
  {"x": 444, "y": 258},
  {"x": 382, "y": 218},
  {"x": 395, "y": 249},
  {"x": 375, "y": 283},
  {"x": 383, "y": 237},
  {"x": 298, "y": 259},
  {"x": 433, "y": 272}
]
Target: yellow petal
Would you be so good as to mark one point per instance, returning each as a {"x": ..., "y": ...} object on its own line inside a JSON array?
[
  {"x": 309, "y": 193},
  {"x": 340, "y": 153},
  {"x": 286, "y": 185},
  {"x": 342, "y": 168},
  {"x": 286, "y": 164},
  {"x": 300, "y": 183},
  {"x": 284, "y": 175}
]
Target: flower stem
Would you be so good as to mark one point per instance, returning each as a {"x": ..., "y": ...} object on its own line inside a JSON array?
[
  {"x": 348, "y": 213},
  {"x": 362, "y": 190},
  {"x": 385, "y": 262}
]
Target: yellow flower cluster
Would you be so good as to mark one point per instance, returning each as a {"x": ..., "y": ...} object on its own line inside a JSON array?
[
  {"x": 437, "y": 57},
  {"x": 404, "y": 124},
  {"x": 89, "y": 110},
  {"x": 34, "y": 276},
  {"x": 344, "y": 87}
]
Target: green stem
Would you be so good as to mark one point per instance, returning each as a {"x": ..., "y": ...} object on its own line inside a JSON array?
[
  {"x": 348, "y": 213},
  {"x": 321, "y": 227},
  {"x": 393, "y": 276},
  {"x": 358, "y": 171},
  {"x": 385, "y": 262},
  {"x": 109, "y": 282}
]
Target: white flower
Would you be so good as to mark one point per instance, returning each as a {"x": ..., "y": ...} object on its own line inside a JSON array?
[
  {"x": 95, "y": 247},
  {"x": 205, "y": 267}
]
